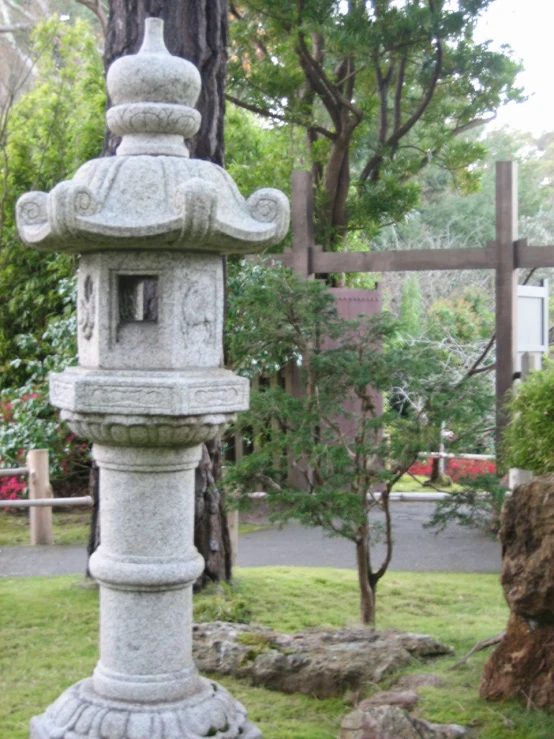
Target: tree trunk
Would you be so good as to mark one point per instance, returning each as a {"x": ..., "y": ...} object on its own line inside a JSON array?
[
  {"x": 367, "y": 593},
  {"x": 195, "y": 30},
  {"x": 94, "y": 492},
  {"x": 211, "y": 533}
]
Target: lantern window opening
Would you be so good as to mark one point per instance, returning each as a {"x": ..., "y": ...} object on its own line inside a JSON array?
[{"x": 137, "y": 298}]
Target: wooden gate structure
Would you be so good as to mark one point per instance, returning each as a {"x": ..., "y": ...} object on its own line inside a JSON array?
[{"x": 506, "y": 255}]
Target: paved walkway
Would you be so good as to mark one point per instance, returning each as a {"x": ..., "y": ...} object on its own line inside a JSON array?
[{"x": 415, "y": 549}]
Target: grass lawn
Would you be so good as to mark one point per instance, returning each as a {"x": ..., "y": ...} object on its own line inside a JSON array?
[
  {"x": 69, "y": 527},
  {"x": 48, "y": 640},
  {"x": 407, "y": 484}
]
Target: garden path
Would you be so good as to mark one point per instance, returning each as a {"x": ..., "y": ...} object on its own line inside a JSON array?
[{"x": 416, "y": 549}]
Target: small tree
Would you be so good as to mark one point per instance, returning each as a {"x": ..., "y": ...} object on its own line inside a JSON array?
[{"x": 348, "y": 461}]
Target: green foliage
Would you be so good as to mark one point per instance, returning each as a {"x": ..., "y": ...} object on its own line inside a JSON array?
[
  {"x": 378, "y": 91},
  {"x": 410, "y": 307},
  {"x": 444, "y": 219},
  {"x": 49, "y": 132},
  {"x": 28, "y": 419},
  {"x": 343, "y": 446},
  {"x": 255, "y": 154},
  {"x": 529, "y": 437},
  {"x": 477, "y": 505}
]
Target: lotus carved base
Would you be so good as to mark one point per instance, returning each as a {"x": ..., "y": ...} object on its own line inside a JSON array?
[{"x": 79, "y": 713}]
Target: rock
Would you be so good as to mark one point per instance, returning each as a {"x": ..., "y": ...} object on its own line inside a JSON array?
[
  {"x": 406, "y": 699},
  {"x": 313, "y": 662},
  {"x": 523, "y": 662},
  {"x": 527, "y": 538},
  {"x": 392, "y": 722},
  {"x": 380, "y": 722},
  {"x": 418, "y": 680},
  {"x": 427, "y": 730}
]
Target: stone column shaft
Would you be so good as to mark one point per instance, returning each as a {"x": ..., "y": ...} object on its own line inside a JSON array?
[{"x": 146, "y": 565}]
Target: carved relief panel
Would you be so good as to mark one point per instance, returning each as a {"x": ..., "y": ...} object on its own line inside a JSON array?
[{"x": 140, "y": 310}]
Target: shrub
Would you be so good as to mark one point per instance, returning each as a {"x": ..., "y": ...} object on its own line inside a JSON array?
[
  {"x": 12, "y": 488},
  {"x": 459, "y": 470},
  {"x": 529, "y": 437},
  {"x": 28, "y": 419}
]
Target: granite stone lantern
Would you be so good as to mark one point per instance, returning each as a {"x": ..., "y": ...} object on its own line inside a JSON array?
[{"x": 150, "y": 226}]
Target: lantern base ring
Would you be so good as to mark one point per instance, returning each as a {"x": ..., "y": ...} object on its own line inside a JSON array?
[{"x": 80, "y": 713}]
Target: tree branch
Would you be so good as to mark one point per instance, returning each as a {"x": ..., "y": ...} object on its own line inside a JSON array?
[
  {"x": 484, "y": 644},
  {"x": 96, "y": 7},
  {"x": 276, "y": 116},
  {"x": 371, "y": 169},
  {"x": 14, "y": 27}
]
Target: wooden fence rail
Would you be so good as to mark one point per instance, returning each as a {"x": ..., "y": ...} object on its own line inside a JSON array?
[
  {"x": 47, "y": 502},
  {"x": 15, "y": 472},
  {"x": 41, "y": 498}
]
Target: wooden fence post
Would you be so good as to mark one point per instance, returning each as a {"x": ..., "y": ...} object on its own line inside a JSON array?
[
  {"x": 302, "y": 216},
  {"x": 506, "y": 290},
  {"x": 233, "y": 516},
  {"x": 39, "y": 487}
]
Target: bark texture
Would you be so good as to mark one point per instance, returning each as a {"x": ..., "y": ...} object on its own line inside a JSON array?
[
  {"x": 195, "y": 30},
  {"x": 523, "y": 663},
  {"x": 94, "y": 492},
  {"x": 211, "y": 532}
]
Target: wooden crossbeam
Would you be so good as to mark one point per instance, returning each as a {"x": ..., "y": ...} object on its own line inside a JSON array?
[
  {"x": 419, "y": 260},
  {"x": 530, "y": 257},
  {"x": 411, "y": 260},
  {"x": 505, "y": 255}
]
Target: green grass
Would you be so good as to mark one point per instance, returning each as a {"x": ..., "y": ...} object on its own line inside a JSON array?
[
  {"x": 407, "y": 484},
  {"x": 48, "y": 635},
  {"x": 68, "y": 527},
  {"x": 248, "y": 528}
]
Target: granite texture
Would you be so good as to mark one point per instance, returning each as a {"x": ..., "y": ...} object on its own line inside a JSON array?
[
  {"x": 80, "y": 713},
  {"x": 187, "y": 307},
  {"x": 151, "y": 195},
  {"x": 204, "y": 211},
  {"x": 151, "y": 226}
]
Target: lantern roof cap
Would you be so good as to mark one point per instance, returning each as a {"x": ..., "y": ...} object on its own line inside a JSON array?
[{"x": 152, "y": 195}]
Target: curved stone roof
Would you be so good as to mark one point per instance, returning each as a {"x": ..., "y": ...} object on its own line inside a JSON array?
[{"x": 151, "y": 195}]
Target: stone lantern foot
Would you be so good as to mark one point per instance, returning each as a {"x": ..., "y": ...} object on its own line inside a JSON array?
[{"x": 80, "y": 713}]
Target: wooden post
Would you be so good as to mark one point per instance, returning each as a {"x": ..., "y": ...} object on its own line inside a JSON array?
[
  {"x": 39, "y": 487},
  {"x": 506, "y": 289},
  {"x": 302, "y": 222},
  {"x": 233, "y": 516}
]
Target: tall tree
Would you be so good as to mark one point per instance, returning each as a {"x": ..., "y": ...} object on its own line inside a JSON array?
[
  {"x": 197, "y": 31},
  {"x": 376, "y": 89}
]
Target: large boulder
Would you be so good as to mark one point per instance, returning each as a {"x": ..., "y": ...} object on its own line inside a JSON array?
[
  {"x": 523, "y": 663},
  {"x": 313, "y": 662}
]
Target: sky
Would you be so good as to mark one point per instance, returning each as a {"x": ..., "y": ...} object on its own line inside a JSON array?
[{"x": 526, "y": 25}]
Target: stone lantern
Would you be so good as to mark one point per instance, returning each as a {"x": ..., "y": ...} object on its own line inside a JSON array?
[{"x": 150, "y": 226}]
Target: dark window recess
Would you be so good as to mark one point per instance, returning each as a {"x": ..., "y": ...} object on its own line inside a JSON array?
[{"x": 138, "y": 298}]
